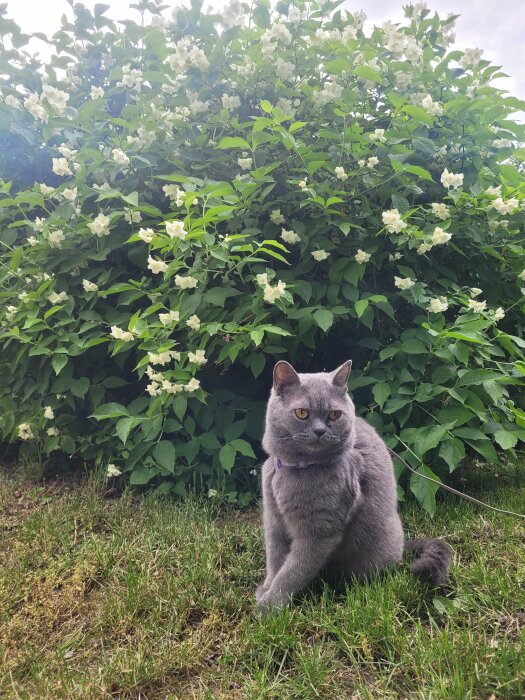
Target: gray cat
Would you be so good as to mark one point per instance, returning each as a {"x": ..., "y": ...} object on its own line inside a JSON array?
[{"x": 329, "y": 492}]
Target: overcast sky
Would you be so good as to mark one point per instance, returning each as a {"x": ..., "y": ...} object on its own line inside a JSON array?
[{"x": 496, "y": 27}]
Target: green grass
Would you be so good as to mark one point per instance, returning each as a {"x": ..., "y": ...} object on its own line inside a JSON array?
[{"x": 139, "y": 598}]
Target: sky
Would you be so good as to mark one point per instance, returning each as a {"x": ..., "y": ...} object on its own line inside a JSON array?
[{"x": 496, "y": 27}]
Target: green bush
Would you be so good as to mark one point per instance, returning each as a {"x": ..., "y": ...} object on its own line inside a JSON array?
[{"x": 184, "y": 202}]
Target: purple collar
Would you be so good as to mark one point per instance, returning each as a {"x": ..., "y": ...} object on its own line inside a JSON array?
[{"x": 299, "y": 465}]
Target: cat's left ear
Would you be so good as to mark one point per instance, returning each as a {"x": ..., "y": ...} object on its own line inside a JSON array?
[{"x": 341, "y": 374}]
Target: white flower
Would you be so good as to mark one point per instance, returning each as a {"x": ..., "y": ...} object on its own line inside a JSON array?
[
  {"x": 451, "y": 179},
  {"x": 55, "y": 298},
  {"x": 55, "y": 239},
  {"x": 176, "y": 195},
  {"x": 119, "y": 334},
  {"x": 377, "y": 136},
  {"x": 262, "y": 279},
  {"x": 361, "y": 256},
  {"x": 100, "y": 225},
  {"x": 340, "y": 174},
  {"x": 499, "y": 314},
  {"x": 146, "y": 234},
  {"x": 230, "y": 101},
  {"x": 132, "y": 217},
  {"x": 470, "y": 58},
  {"x": 120, "y": 157},
  {"x": 437, "y": 305},
  {"x": 320, "y": 255},
  {"x": 290, "y": 236},
  {"x": 53, "y": 431},
  {"x": 113, "y": 471},
  {"x": 433, "y": 108},
  {"x": 156, "y": 266},
  {"x": 61, "y": 167},
  {"x": 330, "y": 92},
  {"x": 67, "y": 151},
  {"x": 45, "y": 190},
  {"x": 505, "y": 207},
  {"x": 403, "y": 80},
  {"x": 12, "y": 101},
  {"x": 48, "y": 413},
  {"x": 403, "y": 282},
  {"x": 170, "y": 317},
  {"x": 171, "y": 388},
  {"x": 212, "y": 493},
  {"x": 153, "y": 389},
  {"x": 25, "y": 432},
  {"x": 162, "y": 358},
  {"x": 11, "y": 311},
  {"x": 522, "y": 275},
  {"x": 439, "y": 236},
  {"x": 70, "y": 194},
  {"x": 244, "y": 163},
  {"x": 423, "y": 248},
  {"x": 175, "y": 229},
  {"x": 502, "y": 143},
  {"x": 186, "y": 282},
  {"x": 277, "y": 217},
  {"x": 496, "y": 191},
  {"x": 393, "y": 221},
  {"x": 371, "y": 162},
  {"x": 284, "y": 70},
  {"x": 89, "y": 286},
  {"x": 477, "y": 306},
  {"x": 302, "y": 184},
  {"x": 273, "y": 293},
  {"x": 198, "y": 357},
  {"x": 413, "y": 51},
  {"x": 96, "y": 92},
  {"x": 57, "y": 99},
  {"x": 194, "y": 322},
  {"x": 475, "y": 291},
  {"x": 192, "y": 385},
  {"x": 440, "y": 210},
  {"x": 361, "y": 163},
  {"x": 34, "y": 106}
]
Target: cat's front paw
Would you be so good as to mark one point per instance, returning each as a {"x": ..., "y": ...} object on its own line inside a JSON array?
[
  {"x": 261, "y": 590},
  {"x": 272, "y": 600}
]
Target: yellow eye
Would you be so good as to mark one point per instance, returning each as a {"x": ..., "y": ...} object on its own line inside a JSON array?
[
  {"x": 301, "y": 413},
  {"x": 334, "y": 415}
]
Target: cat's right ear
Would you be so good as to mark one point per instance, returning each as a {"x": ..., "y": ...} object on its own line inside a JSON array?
[{"x": 284, "y": 377}]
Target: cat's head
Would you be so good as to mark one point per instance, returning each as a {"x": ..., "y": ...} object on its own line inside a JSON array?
[{"x": 309, "y": 415}]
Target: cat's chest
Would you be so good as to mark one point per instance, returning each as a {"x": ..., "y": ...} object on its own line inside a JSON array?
[{"x": 311, "y": 499}]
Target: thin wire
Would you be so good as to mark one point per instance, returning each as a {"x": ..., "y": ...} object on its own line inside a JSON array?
[{"x": 454, "y": 491}]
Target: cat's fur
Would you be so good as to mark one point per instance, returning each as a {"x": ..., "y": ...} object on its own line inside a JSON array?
[{"x": 338, "y": 516}]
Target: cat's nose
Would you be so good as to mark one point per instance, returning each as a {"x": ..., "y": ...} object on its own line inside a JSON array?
[{"x": 319, "y": 431}]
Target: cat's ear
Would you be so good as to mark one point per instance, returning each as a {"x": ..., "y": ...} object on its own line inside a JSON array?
[
  {"x": 341, "y": 374},
  {"x": 284, "y": 376}
]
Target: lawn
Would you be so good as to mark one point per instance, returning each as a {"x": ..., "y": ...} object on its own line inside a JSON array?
[{"x": 132, "y": 597}]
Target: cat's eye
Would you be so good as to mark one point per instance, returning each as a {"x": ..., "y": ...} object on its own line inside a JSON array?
[
  {"x": 301, "y": 413},
  {"x": 334, "y": 415}
]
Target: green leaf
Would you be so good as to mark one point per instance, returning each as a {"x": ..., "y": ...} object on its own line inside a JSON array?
[
  {"x": 413, "y": 346},
  {"x": 257, "y": 364},
  {"x": 430, "y": 437},
  {"x": 424, "y": 490},
  {"x": 368, "y": 73},
  {"x": 67, "y": 444},
  {"x": 243, "y": 447},
  {"x": 79, "y": 387},
  {"x": 142, "y": 476},
  {"x": 164, "y": 455},
  {"x": 360, "y": 307},
  {"x": 218, "y": 295},
  {"x": 323, "y": 318},
  {"x": 110, "y": 410},
  {"x": 381, "y": 392},
  {"x": 209, "y": 441},
  {"x": 452, "y": 451},
  {"x": 59, "y": 362},
  {"x": 227, "y": 457},
  {"x": 124, "y": 426},
  {"x": 233, "y": 142},
  {"x": 485, "y": 448},
  {"x": 505, "y": 439}
]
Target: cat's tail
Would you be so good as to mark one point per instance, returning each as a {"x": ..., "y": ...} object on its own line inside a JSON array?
[{"x": 433, "y": 559}]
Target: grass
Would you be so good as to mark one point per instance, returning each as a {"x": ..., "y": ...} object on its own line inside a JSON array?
[{"x": 133, "y": 597}]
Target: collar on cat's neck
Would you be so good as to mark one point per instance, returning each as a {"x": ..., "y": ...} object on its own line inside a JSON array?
[{"x": 300, "y": 464}]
